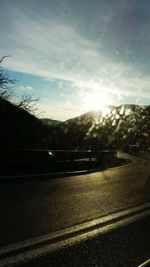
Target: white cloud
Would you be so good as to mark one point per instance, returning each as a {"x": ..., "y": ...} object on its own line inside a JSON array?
[
  {"x": 24, "y": 89},
  {"x": 21, "y": 90},
  {"x": 54, "y": 49}
]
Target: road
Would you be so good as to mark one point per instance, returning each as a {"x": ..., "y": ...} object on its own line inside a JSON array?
[
  {"x": 33, "y": 208},
  {"x": 125, "y": 247}
]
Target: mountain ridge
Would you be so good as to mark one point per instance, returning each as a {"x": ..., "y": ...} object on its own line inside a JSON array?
[{"x": 122, "y": 125}]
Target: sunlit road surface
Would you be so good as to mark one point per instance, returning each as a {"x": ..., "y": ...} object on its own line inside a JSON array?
[
  {"x": 125, "y": 247},
  {"x": 34, "y": 208}
]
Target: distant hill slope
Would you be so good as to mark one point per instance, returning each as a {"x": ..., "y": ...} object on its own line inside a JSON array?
[
  {"x": 121, "y": 126},
  {"x": 50, "y": 122}
]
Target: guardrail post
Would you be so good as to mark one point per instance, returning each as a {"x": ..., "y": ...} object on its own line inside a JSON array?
[{"x": 90, "y": 161}]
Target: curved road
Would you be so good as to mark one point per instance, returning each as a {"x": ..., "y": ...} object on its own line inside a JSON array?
[{"x": 33, "y": 208}]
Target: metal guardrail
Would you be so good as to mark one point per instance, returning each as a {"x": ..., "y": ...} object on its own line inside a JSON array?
[
  {"x": 23, "y": 160},
  {"x": 19, "y": 155}
]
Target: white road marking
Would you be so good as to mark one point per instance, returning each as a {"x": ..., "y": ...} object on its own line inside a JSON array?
[
  {"x": 144, "y": 264},
  {"x": 27, "y": 250}
]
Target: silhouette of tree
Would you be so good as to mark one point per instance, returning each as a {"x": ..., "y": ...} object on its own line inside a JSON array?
[
  {"x": 27, "y": 101},
  {"x": 6, "y": 82}
]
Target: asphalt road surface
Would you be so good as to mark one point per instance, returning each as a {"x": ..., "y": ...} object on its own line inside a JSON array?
[
  {"x": 125, "y": 247},
  {"x": 33, "y": 208}
]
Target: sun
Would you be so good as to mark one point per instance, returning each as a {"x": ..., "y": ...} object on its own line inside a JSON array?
[{"x": 97, "y": 101}]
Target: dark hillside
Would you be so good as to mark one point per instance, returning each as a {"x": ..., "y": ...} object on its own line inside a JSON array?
[
  {"x": 121, "y": 126},
  {"x": 18, "y": 128}
]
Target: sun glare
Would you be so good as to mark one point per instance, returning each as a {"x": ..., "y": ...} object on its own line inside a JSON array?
[{"x": 97, "y": 101}]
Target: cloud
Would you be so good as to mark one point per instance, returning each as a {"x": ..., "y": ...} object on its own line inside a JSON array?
[
  {"x": 55, "y": 48},
  {"x": 25, "y": 88},
  {"x": 21, "y": 90}
]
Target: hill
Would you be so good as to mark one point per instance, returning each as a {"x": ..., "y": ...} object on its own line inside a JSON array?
[
  {"x": 50, "y": 122},
  {"x": 19, "y": 128},
  {"x": 120, "y": 126}
]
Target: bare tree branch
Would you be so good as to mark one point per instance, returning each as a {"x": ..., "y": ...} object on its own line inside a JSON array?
[
  {"x": 27, "y": 103},
  {"x": 3, "y": 57},
  {"x": 5, "y": 82}
]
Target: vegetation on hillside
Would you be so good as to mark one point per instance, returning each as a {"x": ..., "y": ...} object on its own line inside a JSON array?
[{"x": 123, "y": 126}]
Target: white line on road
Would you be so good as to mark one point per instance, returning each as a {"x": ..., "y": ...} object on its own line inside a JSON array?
[
  {"x": 144, "y": 264},
  {"x": 27, "y": 250}
]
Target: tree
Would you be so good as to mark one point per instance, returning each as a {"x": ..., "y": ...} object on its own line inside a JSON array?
[
  {"x": 6, "y": 82},
  {"x": 27, "y": 101}
]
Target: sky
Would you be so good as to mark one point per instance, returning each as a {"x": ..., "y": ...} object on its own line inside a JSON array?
[{"x": 75, "y": 55}]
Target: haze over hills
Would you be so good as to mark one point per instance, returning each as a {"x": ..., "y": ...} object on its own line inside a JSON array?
[
  {"x": 117, "y": 128},
  {"x": 50, "y": 122}
]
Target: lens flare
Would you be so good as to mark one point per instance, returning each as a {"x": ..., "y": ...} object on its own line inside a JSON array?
[{"x": 97, "y": 101}]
